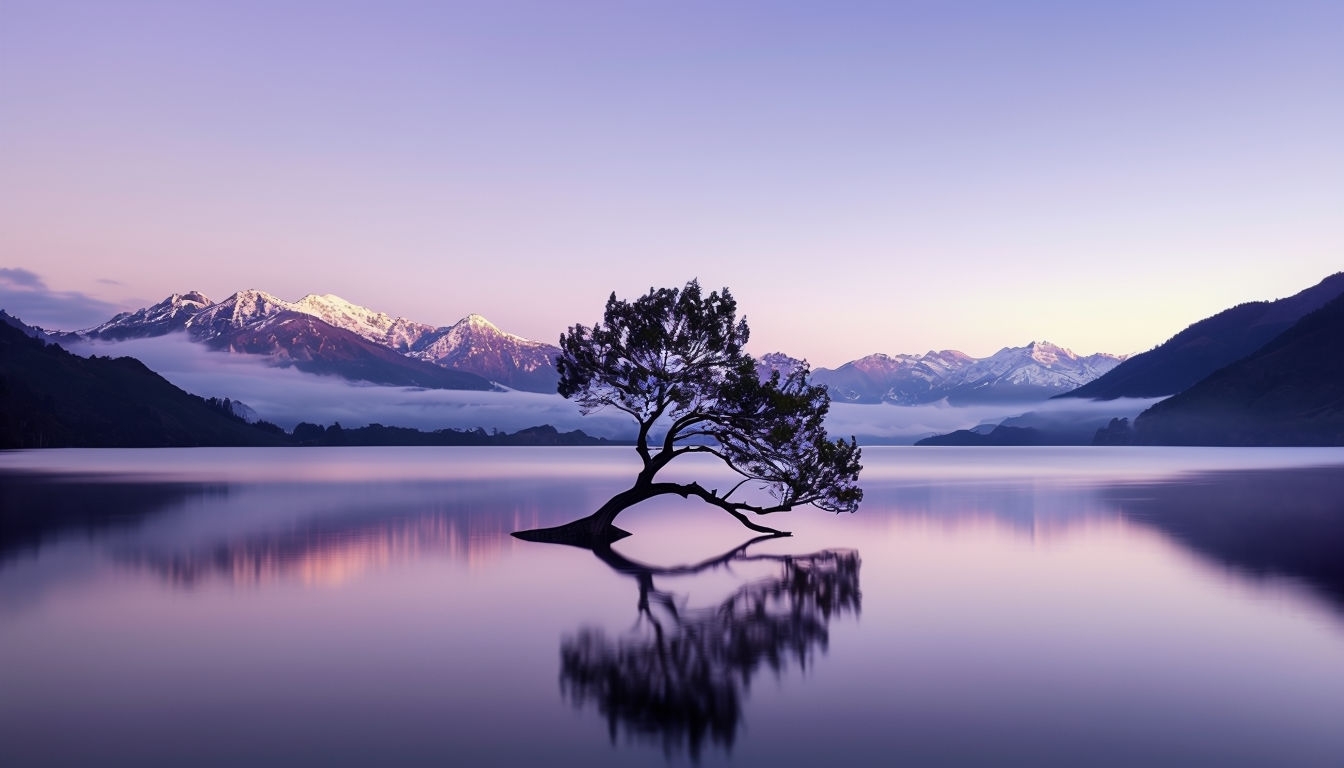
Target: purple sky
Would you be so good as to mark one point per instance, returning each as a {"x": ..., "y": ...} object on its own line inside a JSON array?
[{"x": 866, "y": 177}]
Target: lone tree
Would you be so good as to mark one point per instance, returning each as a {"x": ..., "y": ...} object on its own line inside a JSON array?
[{"x": 673, "y": 360}]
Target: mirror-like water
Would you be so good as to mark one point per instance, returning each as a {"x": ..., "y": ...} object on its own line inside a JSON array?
[{"x": 984, "y": 607}]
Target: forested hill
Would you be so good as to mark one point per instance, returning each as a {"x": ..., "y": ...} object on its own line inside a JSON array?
[
  {"x": 1208, "y": 345},
  {"x": 50, "y": 398},
  {"x": 1289, "y": 392}
]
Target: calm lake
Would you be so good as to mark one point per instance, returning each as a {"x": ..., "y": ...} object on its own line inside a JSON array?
[{"x": 1010, "y": 606}]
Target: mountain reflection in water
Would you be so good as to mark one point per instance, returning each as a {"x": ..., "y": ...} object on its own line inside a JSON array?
[
  {"x": 37, "y": 510},
  {"x": 1254, "y": 524},
  {"x": 1257, "y": 524},
  {"x": 244, "y": 534},
  {"x": 1019, "y": 607},
  {"x": 677, "y": 678},
  {"x": 324, "y": 553}
]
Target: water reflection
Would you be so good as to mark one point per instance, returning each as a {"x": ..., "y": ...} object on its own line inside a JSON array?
[
  {"x": 323, "y": 552},
  {"x": 249, "y": 534},
  {"x": 1031, "y": 508},
  {"x": 1252, "y": 524},
  {"x": 1029, "y": 618},
  {"x": 1257, "y": 524},
  {"x": 39, "y": 510},
  {"x": 677, "y": 679}
]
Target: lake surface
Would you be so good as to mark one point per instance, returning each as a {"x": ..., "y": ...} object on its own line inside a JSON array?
[{"x": 1054, "y": 606}]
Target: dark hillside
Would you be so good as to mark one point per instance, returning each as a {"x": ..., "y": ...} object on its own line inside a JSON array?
[
  {"x": 50, "y": 398},
  {"x": 1208, "y": 345},
  {"x": 1289, "y": 392}
]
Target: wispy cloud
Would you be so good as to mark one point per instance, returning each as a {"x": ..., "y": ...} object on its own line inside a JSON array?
[
  {"x": 25, "y": 295},
  {"x": 21, "y": 279}
]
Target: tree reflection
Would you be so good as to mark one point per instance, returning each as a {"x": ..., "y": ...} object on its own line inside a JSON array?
[{"x": 677, "y": 679}]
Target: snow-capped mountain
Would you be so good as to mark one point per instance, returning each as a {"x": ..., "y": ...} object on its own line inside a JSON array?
[
  {"x": 398, "y": 333},
  {"x": 241, "y": 310},
  {"x": 1037, "y": 371},
  {"x": 474, "y": 344},
  {"x": 327, "y": 334},
  {"x": 171, "y": 314},
  {"x": 898, "y": 379},
  {"x": 467, "y": 354},
  {"x": 315, "y": 346},
  {"x": 777, "y": 361},
  {"x": 1034, "y": 372}
]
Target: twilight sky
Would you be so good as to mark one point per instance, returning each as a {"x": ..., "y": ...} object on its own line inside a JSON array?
[{"x": 866, "y": 176}]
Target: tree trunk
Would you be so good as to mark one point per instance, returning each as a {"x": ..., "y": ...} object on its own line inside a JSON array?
[{"x": 596, "y": 529}]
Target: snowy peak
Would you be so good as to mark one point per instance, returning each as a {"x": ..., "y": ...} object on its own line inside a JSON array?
[
  {"x": 935, "y": 362},
  {"x": 478, "y": 321},
  {"x": 469, "y": 336},
  {"x": 898, "y": 379},
  {"x": 330, "y": 305},
  {"x": 1048, "y": 354},
  {"x": 247, "y": 308},
  {"x": 253, "y": 322},
  {"x": 474, "y": 324},
  {"x": 398, "y": 333},
  {"x": 1039, "y": 365},
  {"x": 1032, "y": 372},
  {"x": 474, "y": 344},
  {"x": 777, "y": 361},
  {"x": 238, "y": 311},
  {"x": 171, "y": 314}
]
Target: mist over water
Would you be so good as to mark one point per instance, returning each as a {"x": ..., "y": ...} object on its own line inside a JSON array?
[
  {"x": 904, "y": 424},
  {"x": 287, "y": 396}
]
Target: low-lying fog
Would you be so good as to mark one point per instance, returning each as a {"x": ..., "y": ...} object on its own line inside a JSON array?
[{"x": 287, "y": 396}]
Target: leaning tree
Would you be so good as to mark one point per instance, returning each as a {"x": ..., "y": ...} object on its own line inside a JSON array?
[{"x": 673, "y": 360}]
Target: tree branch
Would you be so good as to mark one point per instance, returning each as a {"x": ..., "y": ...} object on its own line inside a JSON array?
[{"x": 734, "y": 508}]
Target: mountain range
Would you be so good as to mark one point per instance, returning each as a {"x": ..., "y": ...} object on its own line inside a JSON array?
[
  {"x": 1258, "y": 374},
  {"x": 326, "y": 334},
  {"x": 1287, "y": 390},
  {"x": 1036, "y": 371}
]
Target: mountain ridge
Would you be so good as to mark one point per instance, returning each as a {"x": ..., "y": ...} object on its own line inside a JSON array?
[
  {"x": 1288, "y": 392},
  {"x": 244, "y": 323},
  {"x": 1035, "y": 371},
  {"x": 52, "y": 398},
  {"x": 470, "y": 354},
  {"x": 1208, "y": 345}
]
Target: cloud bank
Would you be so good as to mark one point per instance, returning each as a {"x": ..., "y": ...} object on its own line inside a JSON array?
[
  {"x": 904, "y": 424},
  {"x": 287, "y": 396},
  {"x": 23, "y": 294}
]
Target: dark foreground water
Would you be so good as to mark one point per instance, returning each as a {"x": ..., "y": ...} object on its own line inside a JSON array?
[{"x": 1157, "y": 607}]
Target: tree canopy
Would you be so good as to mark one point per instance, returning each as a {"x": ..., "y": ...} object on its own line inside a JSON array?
[{"x": 673, "y": 359}]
